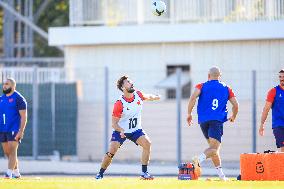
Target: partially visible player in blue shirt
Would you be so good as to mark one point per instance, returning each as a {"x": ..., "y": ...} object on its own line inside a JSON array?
[
  {"x": 13, "y": 119},
  {"x": 275, "y": 101},
  {"x": 212, "y": 113}
]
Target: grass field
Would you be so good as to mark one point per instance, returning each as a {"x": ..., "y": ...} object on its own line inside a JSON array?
[{"x": 131, "y": 183}]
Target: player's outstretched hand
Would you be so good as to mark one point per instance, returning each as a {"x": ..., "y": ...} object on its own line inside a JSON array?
[
  {"x": 158, "y": 97},
  {"x": 154, "y": 97},
  {"x": 189, "y": 119},
  {"x": 261, "y": 130}
]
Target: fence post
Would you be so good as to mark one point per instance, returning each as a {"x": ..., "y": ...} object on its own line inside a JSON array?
[
  {"x": 140, "y": 12},
  {"x": 178, "y": 103},
  {"x": 171, "y": 10},
  {"x": 106, "y": 110},
  {"x": 35, "y": 113},
  {"x": 53, "y": 115},
  {"x": 254, "y": 130},
  {"x": 2, "y": 77}
]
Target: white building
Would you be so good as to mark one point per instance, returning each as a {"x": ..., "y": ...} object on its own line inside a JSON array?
[{"x": 238, "y": 36}]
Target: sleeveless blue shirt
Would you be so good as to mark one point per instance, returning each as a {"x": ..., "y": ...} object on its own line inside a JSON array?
[{"x": 212, "y": 102}]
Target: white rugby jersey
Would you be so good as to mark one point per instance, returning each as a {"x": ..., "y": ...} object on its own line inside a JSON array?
[{"x": 130, "y": 119}]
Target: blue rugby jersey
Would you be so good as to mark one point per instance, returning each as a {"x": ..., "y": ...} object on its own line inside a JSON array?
[
  {"x": 10, "y": 119},
  {"x": 212, "y": 102},
  {"x": 278, "y": 108}
]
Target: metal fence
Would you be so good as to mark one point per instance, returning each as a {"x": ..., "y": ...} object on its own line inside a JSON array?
[
  {"x": 113, "y": 12},
  {"x": 52, "y": 111},
  {"x": 24, "y": 62},
  {"x": 26, "y": 74},
  {"x": 73, "y": 116},
  {"x": 165, "y": 120}
]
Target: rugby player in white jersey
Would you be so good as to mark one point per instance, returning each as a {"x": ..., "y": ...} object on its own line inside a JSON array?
[{"x": 126, "y": 123}]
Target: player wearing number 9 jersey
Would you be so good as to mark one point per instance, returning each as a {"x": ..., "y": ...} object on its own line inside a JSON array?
[
  {"x": 126, "y": 123},
  {"x": 212, "y": 113}
]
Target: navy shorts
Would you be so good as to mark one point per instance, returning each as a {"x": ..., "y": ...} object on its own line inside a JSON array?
[
  {"x": 8, "y": 136},
  {"x": 212, "y": 129},
  {"x": 130, "y": 136},
  {"x": 279, "y": 136}
]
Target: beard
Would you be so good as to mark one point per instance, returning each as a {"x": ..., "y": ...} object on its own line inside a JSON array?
[
  {"x": 282, "y": 83},
  {"x": 131, "y": 90},
  {"x": 7, "y": 91}
]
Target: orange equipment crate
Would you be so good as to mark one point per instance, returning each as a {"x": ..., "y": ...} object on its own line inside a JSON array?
[{"x": 263, "y": 166}]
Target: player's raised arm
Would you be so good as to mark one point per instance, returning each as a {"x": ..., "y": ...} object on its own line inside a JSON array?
[
  {"x": 191, "y": 105},
  {"x": 148, "y": 97},
  {"x": 151, "y": 97}
]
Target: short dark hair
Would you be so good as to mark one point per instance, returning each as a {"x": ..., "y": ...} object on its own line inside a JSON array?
[
  {"x": 120, "y": 81},
  {"x": 281, "y": 71}
]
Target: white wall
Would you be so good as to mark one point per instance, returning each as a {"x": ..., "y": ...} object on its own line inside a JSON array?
[
  {"x": 235, "y": 58},
  {"x": 146, "y": 64},
  {"x": 136, "y": 61}
]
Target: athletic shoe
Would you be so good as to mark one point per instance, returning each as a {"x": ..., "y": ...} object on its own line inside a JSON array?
[
  {"x": 239, "y": 177},
  {"x": 197, "y": 168},
  {"x": 146, "y": 176},
  {"x": 16, "y": 176},
  {"x": 99, "y": 176},
  {"x": 6, "y": 176},
  {"x": 223, "y": 178}
]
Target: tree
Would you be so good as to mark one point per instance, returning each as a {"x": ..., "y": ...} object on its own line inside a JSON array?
[{"x": 55, "y": 14}]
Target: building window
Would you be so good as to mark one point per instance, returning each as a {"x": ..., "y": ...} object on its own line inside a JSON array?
[{"x": 186, "y": 88}]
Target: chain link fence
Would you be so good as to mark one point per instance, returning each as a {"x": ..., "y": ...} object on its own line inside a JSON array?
[
  {"x": 74, "y": 107},
  {"x": 160, "y": 119}
]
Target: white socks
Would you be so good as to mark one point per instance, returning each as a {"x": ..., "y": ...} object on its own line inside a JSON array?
[
  {"x": 201, "y": 157},
  {"x": 220, "y": 172},
  {"x": 9, "y": 172},
  {"x": 17, "y": 172}
]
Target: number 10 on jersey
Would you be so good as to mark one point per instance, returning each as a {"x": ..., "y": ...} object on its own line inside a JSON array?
[{"x": 132, "y": 123}]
